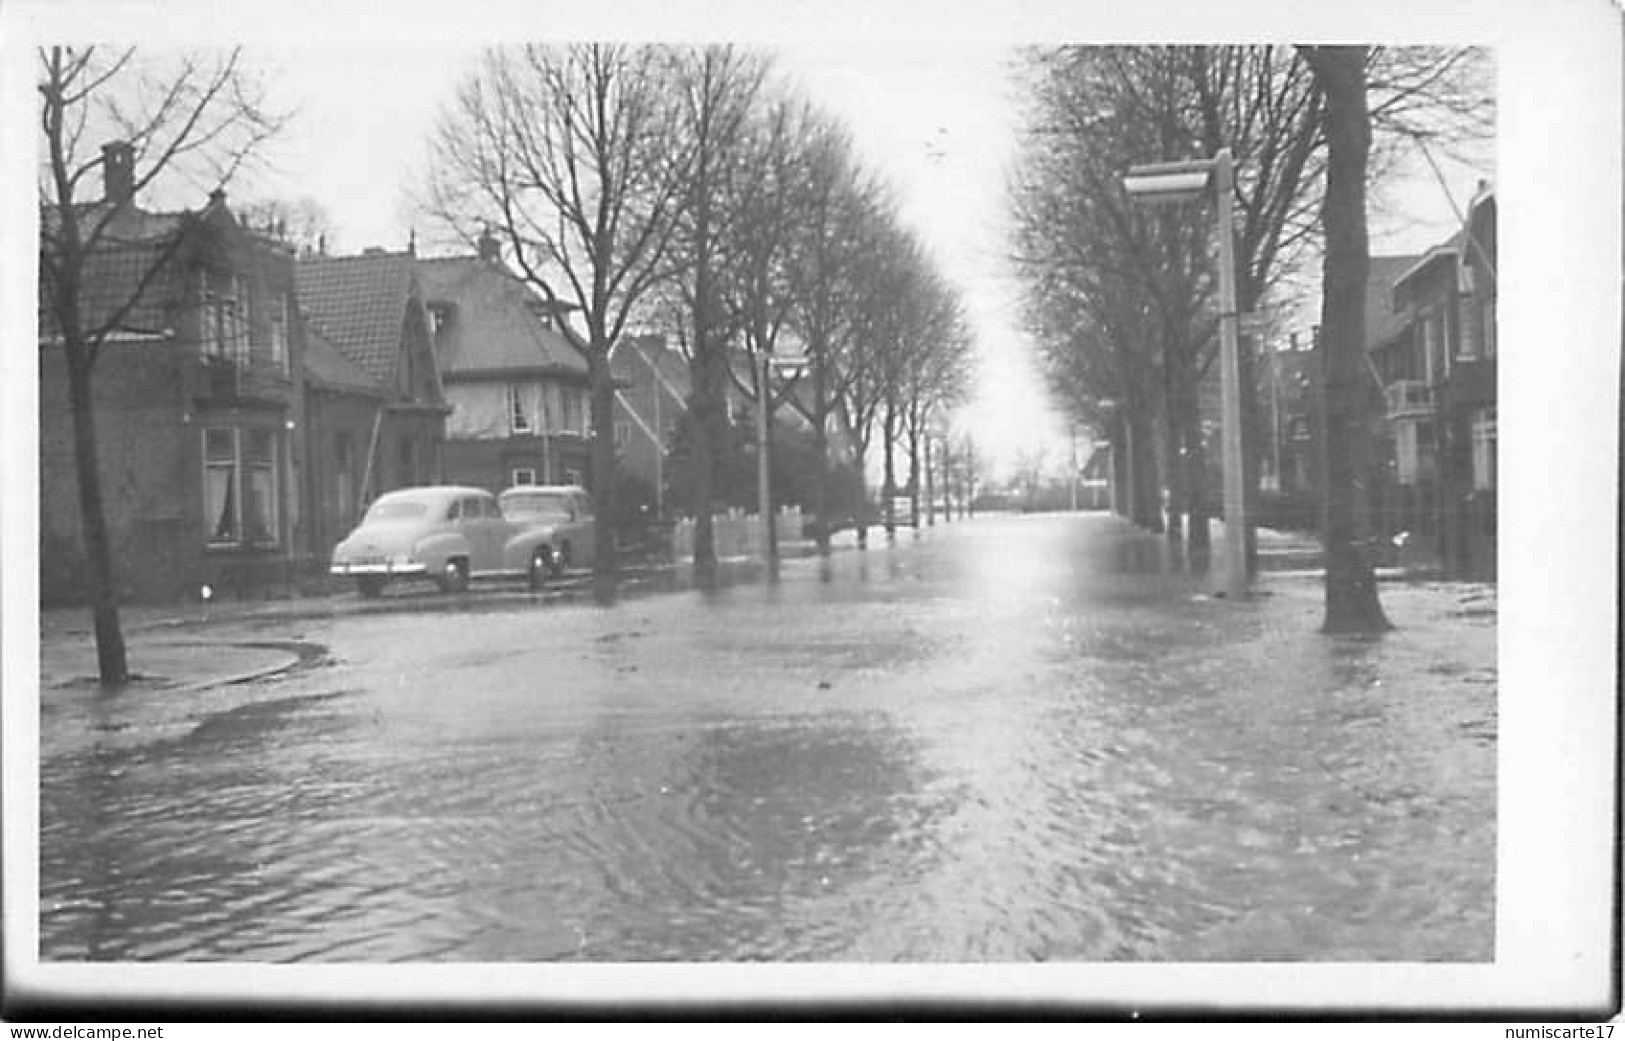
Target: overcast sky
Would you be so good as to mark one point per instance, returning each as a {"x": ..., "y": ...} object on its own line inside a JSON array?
[{"x": 939, "y": 121}]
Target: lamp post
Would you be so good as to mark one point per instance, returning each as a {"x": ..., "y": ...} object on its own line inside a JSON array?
[{"x": 1184, "y": 182}]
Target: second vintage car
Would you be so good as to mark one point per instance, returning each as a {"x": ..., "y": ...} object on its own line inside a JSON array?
[{"x": 447, "y": 533}]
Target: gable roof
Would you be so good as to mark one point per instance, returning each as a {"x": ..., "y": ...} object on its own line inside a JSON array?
[
  {"x": 1383, "y": 321},
  {"x": 132, "y": 241},
  {"x": 497, "y": 325},
  {"x": 326, "y": 367},
  {"x": 359, "y": 302}
]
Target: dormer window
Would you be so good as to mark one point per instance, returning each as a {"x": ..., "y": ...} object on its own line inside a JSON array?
[{"x": 439, "y": 318}]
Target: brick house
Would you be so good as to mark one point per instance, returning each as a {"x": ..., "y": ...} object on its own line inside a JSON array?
[
  {"x": 379, "y": 413},
  {"x": 1439, "y": 389},
  {"x": 516, "y": 388},
  {"x": 342, "y": 405},
  {"x": 197, "y": 395}
]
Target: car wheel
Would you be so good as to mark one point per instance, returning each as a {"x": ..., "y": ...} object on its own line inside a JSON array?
[
  {"x": 369, "y": 586},
  {"x": 454, "y": 578},
  {"x": 541, "y": 564}
]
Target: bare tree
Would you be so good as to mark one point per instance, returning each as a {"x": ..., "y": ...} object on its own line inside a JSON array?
[
  {"x": 574, "y": 153},
  {"x": 301, "y": 221},
  {"x": 935, "y": 376},
  {"x": 1351, "y": 587},
  {"x": 718, "y": 88},
  {"x": 760, "y": 243},
  {"x": 883, "y": 267},
  {"x": 191, "y": 119},
  {"x": 835, "y": 207},
  {"x": 1124, "y": 105}
]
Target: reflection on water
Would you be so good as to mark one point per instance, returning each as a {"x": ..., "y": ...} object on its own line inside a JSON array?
[{"x": 1027, "y": 739}]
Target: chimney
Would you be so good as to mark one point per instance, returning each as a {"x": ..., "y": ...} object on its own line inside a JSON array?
[
  {"x": 118, "y": 173},
  {"x": 490, "y": 247}
]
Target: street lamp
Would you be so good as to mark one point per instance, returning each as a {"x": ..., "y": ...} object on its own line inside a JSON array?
[
  {"x": 1185, "y": 182},
  {"x": 766, "y": 364}
]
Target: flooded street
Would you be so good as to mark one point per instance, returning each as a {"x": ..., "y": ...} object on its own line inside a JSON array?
[{"x": 1018, "y": 738}]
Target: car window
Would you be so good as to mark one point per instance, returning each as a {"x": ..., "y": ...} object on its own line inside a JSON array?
[
  {"x": 454, "y": 510},
  {"x": 471, "y": 509},
  {"x": 397, "y": 509},
  {"x": 536, "y": 504}
]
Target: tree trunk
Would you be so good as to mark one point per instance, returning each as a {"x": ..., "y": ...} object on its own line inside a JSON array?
[
  {"x": 889, "y": 446},
  {"x": 606, "y": 561},
  {"x": 914, "y": 479},
  {"x": 861, "y": 456},
  {"x": 703, "y": 400},
  {"x": 769, "y": 523},
  {"x": 1147, "y": 484},
  {"x": 1174, "y": 422},
  {"x": 112, "y": 665},
  {"x": 1351, "y": 589},
  {"x": 821, "y": 451},
  {"x": 1199, "y": 536}
]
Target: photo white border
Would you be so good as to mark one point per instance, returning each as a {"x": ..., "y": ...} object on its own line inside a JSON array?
[{"x": 1559, "y": 189}]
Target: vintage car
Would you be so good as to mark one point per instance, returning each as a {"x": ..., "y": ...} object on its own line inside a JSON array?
[
  {"x": 446, "y": 533},
  {"x": 562, "y": 512}
]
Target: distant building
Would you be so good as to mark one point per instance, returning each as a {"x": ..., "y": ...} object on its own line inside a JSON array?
[
  {"x": 517, "y": 389},
  {"x": 647, "y": 407},
  {"x": 197, "y": 397},
  {"x": 1432, "y": 346},
  {"x": 1439, "y": 388}
]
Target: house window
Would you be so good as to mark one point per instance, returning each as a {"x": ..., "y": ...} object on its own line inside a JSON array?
[
  {"x": 572, "y": 477},
  {"x": 519, "y": 421},
  {"x": 1487, "y": 325},
  {"x": 522, "y": 475},
  {"x": 1484, "y": 449},
  {"x": 439, "y": 318},
  {"x": 623, "y": 433},
  {"x": 279, "y": 334},
  {"x": 1413, "y": 451},
  {"x": 344, "y": 473},
  {"x": 572, "y": 410},
  {"x": 259, "y": 486},
  {"x": 1430, "y": 349},
  {"x": 223, "y": 316},
  {"x": 240, "y": 502}
]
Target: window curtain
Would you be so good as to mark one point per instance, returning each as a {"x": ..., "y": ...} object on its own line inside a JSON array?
[{"x": 220, "y": 511}]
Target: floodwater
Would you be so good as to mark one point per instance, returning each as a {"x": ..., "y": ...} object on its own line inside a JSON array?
[{"x": 1020, "y": 738}]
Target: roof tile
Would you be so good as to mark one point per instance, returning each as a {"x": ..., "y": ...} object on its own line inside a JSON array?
[
  {"x": 497, "y": 323},
  {"x": 359, "y": 303}
]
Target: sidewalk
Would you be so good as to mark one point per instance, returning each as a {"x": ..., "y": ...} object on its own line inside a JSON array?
[
  {"x": 68, "y": 661},
  {"x": 169, "y": 646}
]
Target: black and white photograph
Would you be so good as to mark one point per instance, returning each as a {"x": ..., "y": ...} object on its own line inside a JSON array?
[{"x": 882, "y": 508}]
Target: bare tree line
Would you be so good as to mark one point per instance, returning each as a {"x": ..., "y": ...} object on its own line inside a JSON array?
[
  {"x": 690, "y": 189},
  {"x": 1121, "y": 299}
]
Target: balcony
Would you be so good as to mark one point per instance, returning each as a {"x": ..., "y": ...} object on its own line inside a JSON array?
[{"x": 1408, "y": 398}]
